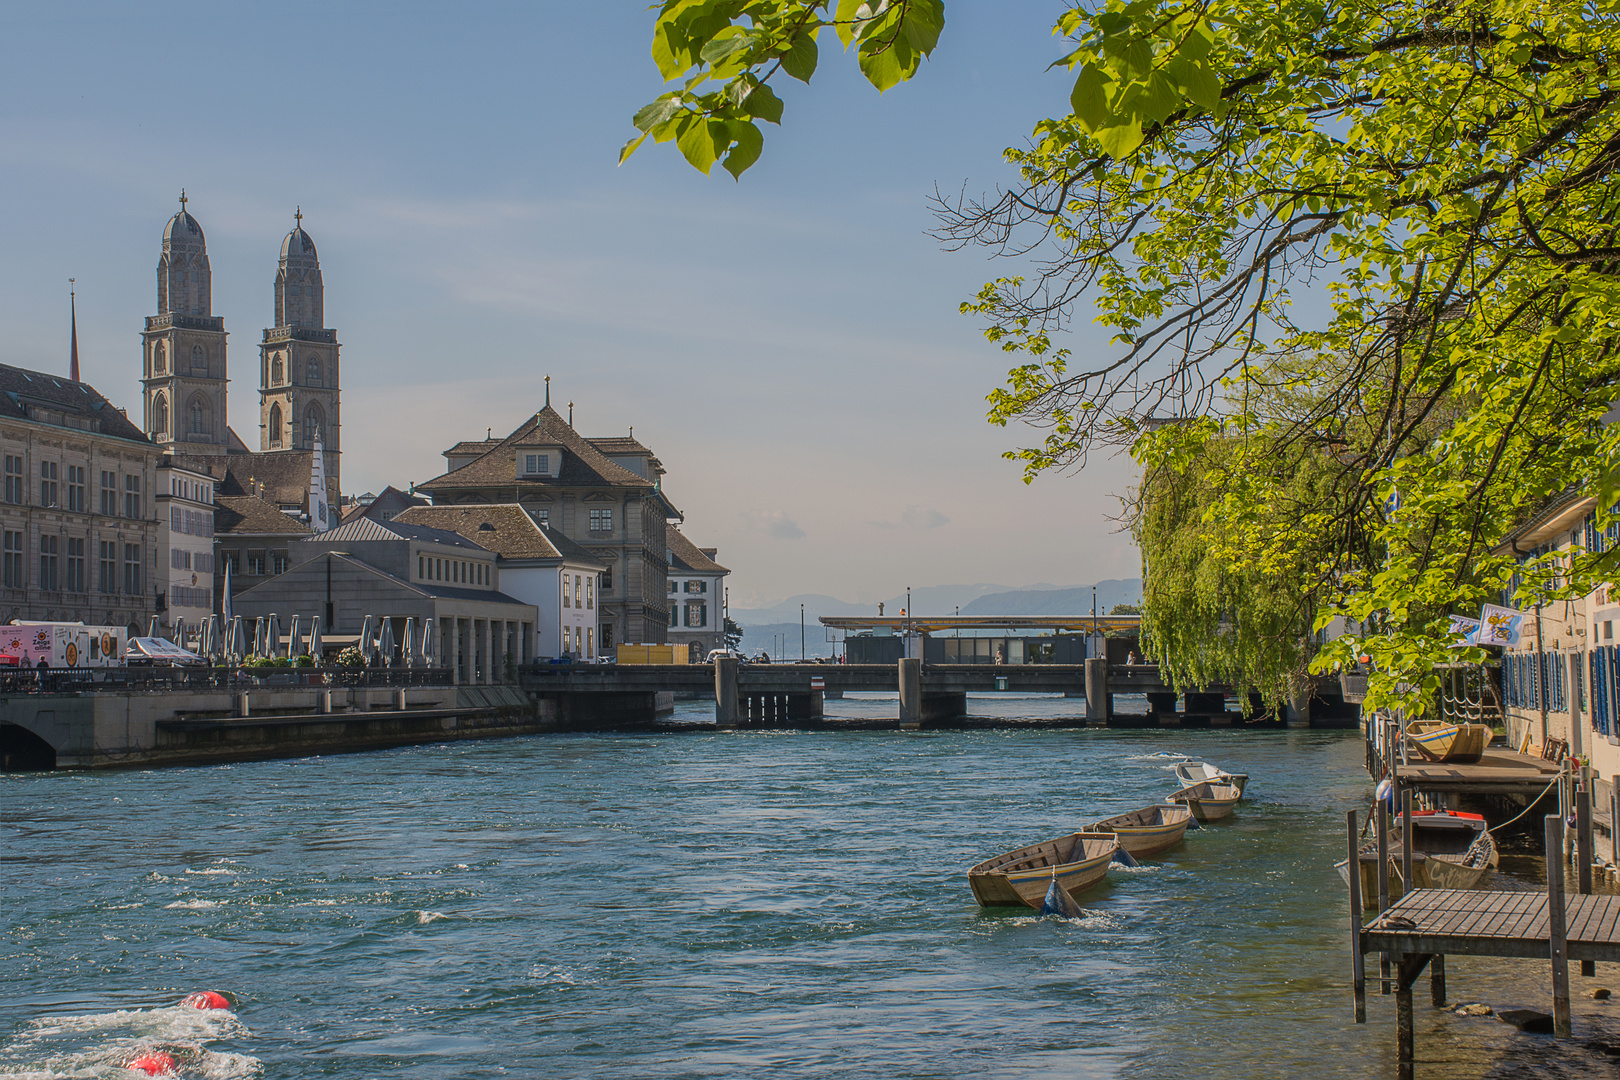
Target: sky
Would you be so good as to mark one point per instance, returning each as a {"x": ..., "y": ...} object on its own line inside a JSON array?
[{"x": 789, "y": 346}]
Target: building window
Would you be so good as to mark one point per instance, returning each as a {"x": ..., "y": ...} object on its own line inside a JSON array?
[
  {"x": 233, "y": 561},
  {"x": 108, "y": 582},
  {"x": 200, "y": 425},
  {"x": 47, "y": 483},
  {"x": 160, "y": 416},
  {"x": 278, "y": 562},
  {"x": 543, "y": 517},
  {"x": 278, "y": 371},
  {"x": 697, "y": 614},
  {"x": 75, "y": 491},
  {"x": 275, "y": 424},
  {"x": 314, "y": 426},
  {"x": 674, "y": 614},
  {"x": 601, "y": 521},
  {"x": 607, "y": 635},
  {"x": 109, "y": 494},
  {"x": 75, "y": 564},
  {"x": 132, "y": 497},
  {"x": 537, "y": 464},
  {"x": 674, "y": 587},
  {"x": 590, "y": 596},
  {"x": 132, "y": 569},
  {"x": 255, "y": 563},
  {"x": 14, "y": 560},
  {"x": 590, "y": 643},
  {"x": 199, "y": 360},
  {"x": 160, "y": 361},
  {"x": 312, "y": 371},
  {"x": 568, "y": 596},
  {"x": 421, "y": 568},
  {"x": 203, "y": 563},
  {"x": 697, "y": 586},
  {"x": 14, "y": 479},
  {"x": 579, "y": 595}
]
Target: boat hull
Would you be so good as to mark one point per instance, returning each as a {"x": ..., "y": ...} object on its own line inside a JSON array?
[
  {"x": 1199, "y": 772},
  {"x": 1078, "y": 862},
  {"x": 1450, "y": 851},
  {"x": 1208, "y": 802},
  {"x": 1141, "y": 838},
  {"x": 1438, "y": 741}
]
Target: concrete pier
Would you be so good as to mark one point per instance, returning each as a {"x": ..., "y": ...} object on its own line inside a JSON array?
[
  {"x": 725, "y": 693},
  {"x": 911, "y": 703}
]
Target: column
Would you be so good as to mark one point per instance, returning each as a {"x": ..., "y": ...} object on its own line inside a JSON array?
[
  {"x": 1096, "y": 688},
  {"x": 725, "y": 693},
  {"x": 450, "y": 630},
  {"x": 489, "y": 652},
  {"x": 910, "y": 693}
]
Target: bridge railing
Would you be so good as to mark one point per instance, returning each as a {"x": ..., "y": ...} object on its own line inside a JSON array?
[{"x": 115, "y": 679}]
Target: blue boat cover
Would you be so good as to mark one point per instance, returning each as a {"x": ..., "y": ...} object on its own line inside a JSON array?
[{"x": 1059, "y": 902}]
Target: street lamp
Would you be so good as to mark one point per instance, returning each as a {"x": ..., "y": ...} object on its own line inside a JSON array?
[{"x": 801, "y": 633}]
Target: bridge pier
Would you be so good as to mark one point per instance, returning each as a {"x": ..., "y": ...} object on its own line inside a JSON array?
[
  {"x": 911, "y": 703},
  {"x": 725, "y": 693},
  {"x": 1099, "y": 701}
]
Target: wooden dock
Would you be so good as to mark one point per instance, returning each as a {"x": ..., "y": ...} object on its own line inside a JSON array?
[{"x": 1499, "y": 772}]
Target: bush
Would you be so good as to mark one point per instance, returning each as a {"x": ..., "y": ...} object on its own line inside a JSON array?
[{"x": 351, "y": 658}]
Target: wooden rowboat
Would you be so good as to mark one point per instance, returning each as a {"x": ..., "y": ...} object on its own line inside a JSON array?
[
  {"x": 1079, "y": 861},
  {"x": 1449, "y": 851},
  {"x": 1442, "y": 740},
  {"x": 1191, "y": 772},
  {"x": 1208, "y": 802},
  {"x": 1149, "y": 830}
]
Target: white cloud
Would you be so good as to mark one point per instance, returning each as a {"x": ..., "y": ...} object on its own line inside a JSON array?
[
  {"x": 915, "y": 517},
  {"x": 774, "y": 523}
]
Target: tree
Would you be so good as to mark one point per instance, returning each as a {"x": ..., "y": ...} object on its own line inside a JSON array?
[
  {"x": 733, "y": 634},
  {"x": 1361, "y": 267},
  {"x": 1125, "y": 609}
]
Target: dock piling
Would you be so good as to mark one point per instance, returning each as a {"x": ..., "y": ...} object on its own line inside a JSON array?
[
  {"x": 911, "y": 708},
  {"x": 1406, "y": 841},
  {"x": 1358, "y": 966},
  {"x": 1614, "y": 820},
  {"x": 1583, "y": 847},
  {"x": 725, "y": 693},
  {"x": 1437, "y": 981},
  {"x": 1383, "y": 887},
  {"x": 1558, "y": 945}
]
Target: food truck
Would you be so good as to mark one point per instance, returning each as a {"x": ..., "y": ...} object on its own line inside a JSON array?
[{"x": 63, "y": 644}]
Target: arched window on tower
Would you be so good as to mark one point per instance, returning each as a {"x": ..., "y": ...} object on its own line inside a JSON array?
[
  {"x": 275, "y": 426},
  {"x": 160, "y": 415},
  {"x": 314, "y": 425},
  {"x": 160, "y": 359},
  {"x": 201, "y": 425},
  {"x": 312, "y": 375},
  {"x": 278, "y": 370},
  {"x": 199, "y": 360}
]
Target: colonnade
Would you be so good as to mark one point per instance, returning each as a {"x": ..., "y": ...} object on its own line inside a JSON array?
[{"x": 476, "y": 650}]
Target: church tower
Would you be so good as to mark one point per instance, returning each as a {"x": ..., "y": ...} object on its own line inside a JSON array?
[
  {"x": 184, "y": 343},
  {"x": 298, "y": 363}
]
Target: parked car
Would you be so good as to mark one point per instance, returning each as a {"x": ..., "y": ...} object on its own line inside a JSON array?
[{"x": 721, "y": 654}]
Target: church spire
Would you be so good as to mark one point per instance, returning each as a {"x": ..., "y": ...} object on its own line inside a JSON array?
[{"x": 73, "y": 349}]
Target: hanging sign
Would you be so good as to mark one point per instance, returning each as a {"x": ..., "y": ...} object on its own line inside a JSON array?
[
  {"x": 1499, "y": 625},
  {"x": 1464, "y": 631}
]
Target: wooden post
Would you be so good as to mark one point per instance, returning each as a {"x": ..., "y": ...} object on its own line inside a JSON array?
[
  {"x": 1583, "y": 845},
  {"x": 1406, "y": 842},
  {"x": 1437, "y": 981},
  {"x": 1614, "y": 820},
  {"x": 1558, "y": 947},
  {"x": 1358, "y": 967},
  {"x": 1404, "y": 1048},
  {"x": 725, "y": 693},
  {"x": 1383, "y": 886}
]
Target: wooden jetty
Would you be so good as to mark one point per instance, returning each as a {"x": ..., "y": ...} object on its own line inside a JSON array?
[{"x": 1423, "y": 927}]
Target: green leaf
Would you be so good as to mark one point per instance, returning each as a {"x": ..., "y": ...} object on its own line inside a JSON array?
[
  {"x": 669, "y": 50},
  {"x": 701, "y": 141},
  {"x": 630, "y": 147},
  {"x": 1196, "y": 81},
  {"x": 1119, "y": 142},
  {"x": 845, "y": 19},
  {"x": 656, "y": 112},
  {"x": 726, "y": 44},
  {"x": 1089, "y": 99},
  {"x": 749, "y": 142},
  {"x": 763, "y": 103},
  {"x": 800, "y": 60}
]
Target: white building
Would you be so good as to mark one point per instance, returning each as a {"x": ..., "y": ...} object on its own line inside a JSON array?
[
  {"x": 185, "y": 555},
  {"x": 697, "y": 595},
  {"x": 536, "y": 565}
]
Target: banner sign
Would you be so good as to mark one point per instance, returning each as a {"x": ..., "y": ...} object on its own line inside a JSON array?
[
  {"x": 1499, "y": 625},
  {"x": 1464, "y": 631}
]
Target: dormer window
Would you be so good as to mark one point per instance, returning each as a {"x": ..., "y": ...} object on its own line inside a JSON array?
[{"x": 537, "y": 464}]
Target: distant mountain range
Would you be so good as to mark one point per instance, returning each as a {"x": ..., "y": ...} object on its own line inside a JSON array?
[{"x": 978, "y": 599}]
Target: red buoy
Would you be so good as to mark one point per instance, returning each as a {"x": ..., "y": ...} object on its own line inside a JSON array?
[
  {"x": 154, "y": 1063},
  {"x": 207, "y": 999}
]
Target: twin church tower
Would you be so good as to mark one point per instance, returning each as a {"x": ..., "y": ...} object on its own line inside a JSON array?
[{"x": 185, "y": 373}]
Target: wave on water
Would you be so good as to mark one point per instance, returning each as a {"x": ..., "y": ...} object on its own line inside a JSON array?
[
  {"x": 196, "y": 905},
  {"x": 212, "y": 870},
  {"x": 1159, "y": 755},
  {"x": 1088, "y": 920},
  {"x": 103, "y": 1044},
  {"x": 425, "y": 917}
]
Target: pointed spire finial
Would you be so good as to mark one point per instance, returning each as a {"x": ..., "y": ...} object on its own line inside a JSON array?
[
  {"x": 298, "y": 216},
  {"x": 548, "y": 391},
  {"x": 73, "y": 349},
  {"x": 182, "y": 200}
]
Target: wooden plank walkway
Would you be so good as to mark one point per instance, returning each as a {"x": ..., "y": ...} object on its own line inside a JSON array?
[
  {"x": 1459, "y": 922},
  {"x": 1498, "y": 772}
]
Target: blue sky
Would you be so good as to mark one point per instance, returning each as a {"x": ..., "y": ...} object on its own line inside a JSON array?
[{"x": 789, "y": 346}]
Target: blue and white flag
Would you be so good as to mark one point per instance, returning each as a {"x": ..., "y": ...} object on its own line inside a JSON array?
[
  {"x": 1499, "y": 625},
  {"x": 1464, "y": 631}
]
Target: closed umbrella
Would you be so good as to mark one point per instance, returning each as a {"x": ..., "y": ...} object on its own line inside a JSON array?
[
  {"x": 385, "y": 642},
  {"x": 315, "y": 639},
  {"x": 180, "y": 632},
  {"x": 212, "y": 637},
  {"x": 272, "y": 635},
  {"x": 295, "y": 636},
  {"x": 261, "y": 627},
  {"x": 407, "y": 644},
  {"x": 430, "y": 643},
  {"x": 152, "y": 627},
  {"x": 225, "y": 605},
  {"x": 238, "y": 639},
  {"x": 365, "y": 643}
]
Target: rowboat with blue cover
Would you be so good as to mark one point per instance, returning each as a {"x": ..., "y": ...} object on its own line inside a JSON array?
[{"x": 1077, "y": 861}]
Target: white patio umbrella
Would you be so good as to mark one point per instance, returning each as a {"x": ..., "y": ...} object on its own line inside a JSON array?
[
  {"x": 315, "y": 640},
  {"x": 179, "y": 633},
  {"x": 295, "y": 636},
  {"x": 211, "y": 636},
  {"x": 272, "y": 635},
  {"x": 152, "y": 628},
  {"x": 385, "y": 642},
  {"x": 260, "y": 624},
  {"x": 430, "y": 644},
  {"x": 407, "y": 644},
  {"x": 236, "y": 639},
  {"x": 366, "y": 644}
]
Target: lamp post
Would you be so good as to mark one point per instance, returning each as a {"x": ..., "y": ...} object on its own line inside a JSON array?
[{"x": 801, "y": 633}]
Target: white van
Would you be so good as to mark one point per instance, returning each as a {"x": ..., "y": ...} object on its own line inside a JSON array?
[{"x": 63, "y": 644}]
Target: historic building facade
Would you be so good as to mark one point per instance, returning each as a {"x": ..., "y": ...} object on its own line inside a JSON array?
[
  {"x": 607, "y": 499},
  {"x": 78, "y": 529},
  {"x": 697, "y": 595}
]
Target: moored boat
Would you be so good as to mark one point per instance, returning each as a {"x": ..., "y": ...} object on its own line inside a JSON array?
[
  {"x": 1077, "y": 861},
  {"x": 1149, "y": 830},
  {"x": 1450, "y": 850},
  {"x": 1192, "y": 772},
  {"x": 1443, "y": 740},
  {"x": 1207, "y": 801}
]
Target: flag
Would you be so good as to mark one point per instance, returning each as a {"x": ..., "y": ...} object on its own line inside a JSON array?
[
  {"x": 1499, "y": 625},
  {"x": 1464, "y": 631}
]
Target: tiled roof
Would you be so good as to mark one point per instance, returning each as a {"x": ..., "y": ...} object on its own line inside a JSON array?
[
  {"x": 361, "y": 530},
  {"x": 687, "y": 556},
  {"x": 80, "y": 405},
  {"x": 1562, "y": 504},
  {"x": 391, "y": 500},
  {"x": 424, "y": 588},
  {"x": 583, "y": 465},
  {"x": 618, "y": 444},
  {"x": 504, "y": 528},
  {"x": 247, "y": 515}
]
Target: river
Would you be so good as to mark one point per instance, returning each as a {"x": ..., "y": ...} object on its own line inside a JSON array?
[{"x": 693, "y": 905}]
